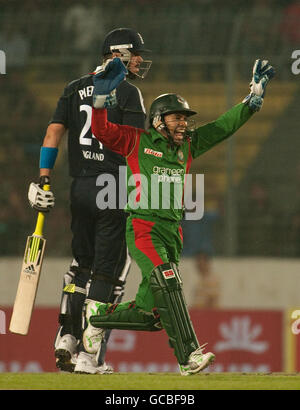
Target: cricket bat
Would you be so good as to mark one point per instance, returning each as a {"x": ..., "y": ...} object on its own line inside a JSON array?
[{"x": 29, "y": 278}]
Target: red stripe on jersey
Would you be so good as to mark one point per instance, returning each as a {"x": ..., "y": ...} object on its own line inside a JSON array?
[
  {"x": 133, "y": 163},
  {"x": 187, "y": 168},
  {"x": 143, "y": 241},
  {"x": 119, "y": 138},
  {"x": 189, "y": 160},
  {"x": 180, "y": 233}
]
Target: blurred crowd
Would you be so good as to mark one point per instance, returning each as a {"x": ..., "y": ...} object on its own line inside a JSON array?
[{"x": 191, "y": 27}]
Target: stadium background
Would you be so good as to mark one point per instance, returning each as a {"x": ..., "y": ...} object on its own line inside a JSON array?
[{"x": 204, "y": 50}]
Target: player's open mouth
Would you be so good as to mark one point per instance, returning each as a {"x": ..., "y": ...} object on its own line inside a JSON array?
[
  {"x": 179, "y": 133},
  {"x": 178, "y": 137}
]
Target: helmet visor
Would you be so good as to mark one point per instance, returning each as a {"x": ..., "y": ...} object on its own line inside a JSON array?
[
  {"x": 144, "y": 67},
  {"x": 127, "y": 52}
]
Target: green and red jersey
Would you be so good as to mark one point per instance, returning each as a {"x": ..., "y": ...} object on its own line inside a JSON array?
[{"x": 154, "y": 167}]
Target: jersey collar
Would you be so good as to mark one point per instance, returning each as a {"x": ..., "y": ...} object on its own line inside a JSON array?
[{"x": 155, "y": 135}]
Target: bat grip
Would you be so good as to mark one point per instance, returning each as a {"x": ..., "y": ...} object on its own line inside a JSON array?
[
  {"x": 46, "y": 187},
  {"x": 41, "y": 218}
]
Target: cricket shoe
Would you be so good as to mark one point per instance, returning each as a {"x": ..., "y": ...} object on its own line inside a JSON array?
[
  {"x": 87, "y": 364},
  {"x": 92, "y": 336},
  {"x": 197, "y": 362},
  {"x": 65, "y": 353}
]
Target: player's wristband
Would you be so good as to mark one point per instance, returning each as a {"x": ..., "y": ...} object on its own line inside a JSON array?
[
  {"x": 47, "y": 157},
  {"x": 254, "y": 102}
]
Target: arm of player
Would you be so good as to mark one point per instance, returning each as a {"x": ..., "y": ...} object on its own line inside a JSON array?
[
  {"x": 118, "y": 138},
  {"x": 209, "y": 135},
  {"x": 39, "y": 199},
  {"x": 54, "y": 134}
]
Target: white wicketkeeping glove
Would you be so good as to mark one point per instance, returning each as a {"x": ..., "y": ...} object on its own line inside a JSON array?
[
  {"x": 263, "y": 72},
  {"x": 39, "y": 199}
]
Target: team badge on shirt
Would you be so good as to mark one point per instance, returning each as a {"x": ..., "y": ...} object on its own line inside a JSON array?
[{"x": 180, "y": 157}]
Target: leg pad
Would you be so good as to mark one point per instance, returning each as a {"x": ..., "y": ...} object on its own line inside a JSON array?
[
  {"x": 166, "y": 285},
  {"x": 127, "y": 317}
]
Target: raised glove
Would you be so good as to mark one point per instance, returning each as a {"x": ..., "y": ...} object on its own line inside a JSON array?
[
  {"x": 106, "y": 80},
  {"x": 263, "y": 72},
  {"x": 39, "y": 199}
]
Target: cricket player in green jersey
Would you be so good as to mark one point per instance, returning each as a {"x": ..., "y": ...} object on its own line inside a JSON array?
[{"x": 162, "y": 154}]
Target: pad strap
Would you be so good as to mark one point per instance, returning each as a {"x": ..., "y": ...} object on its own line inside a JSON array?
[{"x": 73, "y": 296}]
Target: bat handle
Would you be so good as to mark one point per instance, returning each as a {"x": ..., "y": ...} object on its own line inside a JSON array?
[{"x": 41, "y": 218}]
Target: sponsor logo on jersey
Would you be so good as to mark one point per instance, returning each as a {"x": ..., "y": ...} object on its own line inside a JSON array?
[
  {"x": 169, "y": 174},
  {"x": 150, "y": 151},
  {"x": 168, "y": 274},
  {"x": 167, "y": 171}
]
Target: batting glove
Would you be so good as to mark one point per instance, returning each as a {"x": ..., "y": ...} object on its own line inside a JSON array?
[
  {"x": 39, "y": 199},
  {"x": 106, "y": 80},
  {"x": 263, "y": 72}
]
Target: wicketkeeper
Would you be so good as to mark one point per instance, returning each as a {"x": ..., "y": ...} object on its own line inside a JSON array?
[{"x": 153, "y": 233}]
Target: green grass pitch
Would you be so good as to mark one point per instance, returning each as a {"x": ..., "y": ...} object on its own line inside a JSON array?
[{"x": 149, "y": 381}]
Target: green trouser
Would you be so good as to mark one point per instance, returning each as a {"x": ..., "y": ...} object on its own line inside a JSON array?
[
  {"x": 160, "y": 302},
  {"x": 151, "y": 242}
]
